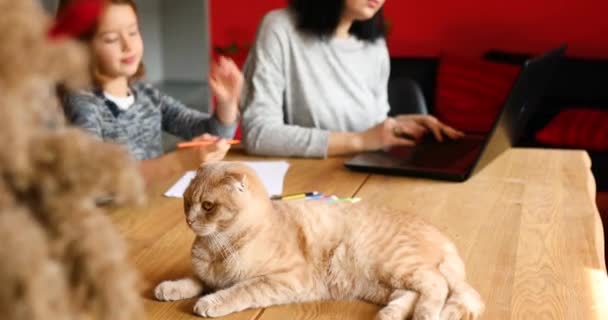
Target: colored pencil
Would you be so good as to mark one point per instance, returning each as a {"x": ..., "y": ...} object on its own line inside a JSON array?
[
  {"x": 203, "y": 143},
  {"x": 296, "y": 196}
]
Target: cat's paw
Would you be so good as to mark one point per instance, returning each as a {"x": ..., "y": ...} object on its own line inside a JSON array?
[
  {"x": 453, "y": 312},
  {"x": 210, "y": 307},
  {"x": 389, "y": 313},
  {"x": 169, "y": 291},
  {"x": 425, "y": 316}
]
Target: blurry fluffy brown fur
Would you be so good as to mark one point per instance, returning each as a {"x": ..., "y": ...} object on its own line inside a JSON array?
[
  {"x": 251, "y": 252},
  {"x": 60, "y": 256}
]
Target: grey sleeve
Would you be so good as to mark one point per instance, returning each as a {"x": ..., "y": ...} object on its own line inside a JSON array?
[
  {"x": 187, "y": 123},
  {"x": 264, "y": 129},
  {"x": 382, "y": 87},
  {"x": 84, "y": 113}
]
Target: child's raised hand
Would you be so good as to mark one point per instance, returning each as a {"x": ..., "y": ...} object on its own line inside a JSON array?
[
  {"x": 213, "y": 152},
  {"x": 226, "y": 82}
]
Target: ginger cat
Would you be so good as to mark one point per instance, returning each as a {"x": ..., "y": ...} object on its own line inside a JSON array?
[{"x": 251, "y": 252}]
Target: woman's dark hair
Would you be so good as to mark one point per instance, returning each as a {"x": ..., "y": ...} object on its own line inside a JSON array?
[{"x": 321, "y": 18}]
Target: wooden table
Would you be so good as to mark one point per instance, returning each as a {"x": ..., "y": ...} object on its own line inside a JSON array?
[{"x": 526, "y": 226}]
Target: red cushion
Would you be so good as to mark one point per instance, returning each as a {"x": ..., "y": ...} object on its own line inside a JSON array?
[
  {"x": 582, "y": 128},
  {"x": 471, "y": 91}
]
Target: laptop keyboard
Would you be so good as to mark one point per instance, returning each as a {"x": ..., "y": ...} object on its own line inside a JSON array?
[{"x": 450, "y": 154}]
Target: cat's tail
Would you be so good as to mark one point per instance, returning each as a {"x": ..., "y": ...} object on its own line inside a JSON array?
[{"x": 464, "y": 302}]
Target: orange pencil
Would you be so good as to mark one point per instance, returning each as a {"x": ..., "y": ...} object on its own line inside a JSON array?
[{"x": 203, "y": 143}]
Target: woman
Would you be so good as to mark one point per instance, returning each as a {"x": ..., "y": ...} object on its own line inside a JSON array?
[{"x": 316, "y": 84}]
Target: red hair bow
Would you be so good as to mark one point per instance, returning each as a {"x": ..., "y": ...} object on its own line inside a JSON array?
[{"x": 76, "y": 19}]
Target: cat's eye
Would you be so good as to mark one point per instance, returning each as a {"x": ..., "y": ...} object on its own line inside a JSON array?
[{"x": 208, "y": 206}]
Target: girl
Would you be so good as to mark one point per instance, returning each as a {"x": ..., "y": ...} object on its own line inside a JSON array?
[
  {"x": 122, "y": 109},
  {"x": 316, "y": 83}
]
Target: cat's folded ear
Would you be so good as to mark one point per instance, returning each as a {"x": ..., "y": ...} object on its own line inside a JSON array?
[{"x": 240, "y": 181}]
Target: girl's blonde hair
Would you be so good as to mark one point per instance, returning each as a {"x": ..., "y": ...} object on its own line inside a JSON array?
[{"x": 88, "y": 36}]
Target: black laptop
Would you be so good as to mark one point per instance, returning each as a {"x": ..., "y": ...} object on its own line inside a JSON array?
[{"x": 457, "y": 160}]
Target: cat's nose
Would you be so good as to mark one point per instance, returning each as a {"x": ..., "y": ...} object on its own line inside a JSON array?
[{"x": 190, "y": 221}]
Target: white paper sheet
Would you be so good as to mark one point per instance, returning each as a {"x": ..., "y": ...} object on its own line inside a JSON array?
[{"x": 272, "y": 174}]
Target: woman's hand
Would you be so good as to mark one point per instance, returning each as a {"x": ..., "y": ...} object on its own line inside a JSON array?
[
  {"x": 415, "y": 126},
  {"x": 226, "y": 82},
  {"x": 213, "y": 152},
  {"x": 382, "y": 136},
  {"x": 405, "y": 130}
]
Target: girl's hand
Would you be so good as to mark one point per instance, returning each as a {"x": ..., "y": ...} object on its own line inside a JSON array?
[
  {"x": 226, "y": 82},
  {"x": 213, "y": 152}
]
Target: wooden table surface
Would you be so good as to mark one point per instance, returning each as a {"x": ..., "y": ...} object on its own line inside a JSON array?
[{"x": 526, "y": 226}]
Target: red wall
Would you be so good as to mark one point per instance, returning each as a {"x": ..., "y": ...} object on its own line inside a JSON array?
[
  {"x": 473, "y": 26},
  {"x": 465, "y": 26},
  {"x": 236, "y": 21}
]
